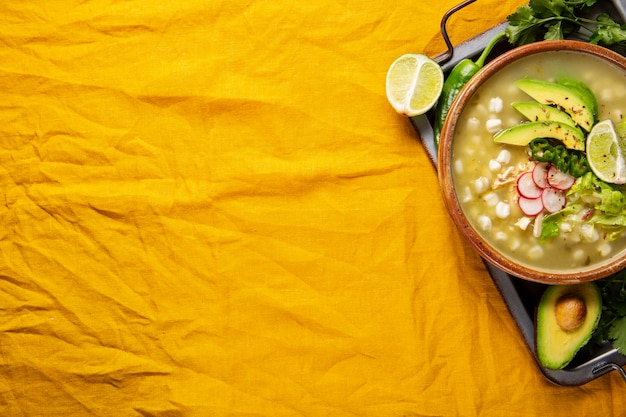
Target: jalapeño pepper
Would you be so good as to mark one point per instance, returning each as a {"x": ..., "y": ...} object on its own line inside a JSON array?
[
  {"x": 538, "y": 149},
  {"x": 578, "y": 165},
  {"x": 562, "y": 158},
  {"x": 458, "y": 77},
  {"x": 566, "y": 160}
]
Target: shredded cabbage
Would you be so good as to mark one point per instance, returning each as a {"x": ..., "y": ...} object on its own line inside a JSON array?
[{"x": 590, "y": 202}]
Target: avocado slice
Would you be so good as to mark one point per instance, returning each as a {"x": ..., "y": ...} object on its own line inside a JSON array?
[
  {"x": 576, "y": 102},
  {"x": 583, "y": 90},
  {"x": 567, "y": 315},
  {"x": 535, "y": 112},
  {"x": 571, "y": 136}
]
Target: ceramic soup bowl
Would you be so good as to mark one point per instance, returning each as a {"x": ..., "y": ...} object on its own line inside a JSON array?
[{"x": 533, "y": 218}]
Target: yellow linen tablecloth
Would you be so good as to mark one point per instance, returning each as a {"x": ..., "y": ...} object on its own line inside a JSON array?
[{"x": 210, "y": 209}]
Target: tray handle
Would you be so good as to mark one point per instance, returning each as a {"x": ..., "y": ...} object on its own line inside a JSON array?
[
  {"x": 606, "y": 367},
  {"x": 446, "y": 56}
]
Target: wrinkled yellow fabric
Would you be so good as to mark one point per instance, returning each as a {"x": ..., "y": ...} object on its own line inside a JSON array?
[{"x": 210, "y": 209}]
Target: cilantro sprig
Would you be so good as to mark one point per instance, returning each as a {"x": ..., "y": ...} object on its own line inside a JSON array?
[
  {"x": 557, "y": 19},
  {"x": 612, "y": 326}
]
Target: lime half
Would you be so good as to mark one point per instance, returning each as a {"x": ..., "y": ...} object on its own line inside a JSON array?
[
  {"x": 414, "y": 83},
  {"x": 605, "y": 154}
]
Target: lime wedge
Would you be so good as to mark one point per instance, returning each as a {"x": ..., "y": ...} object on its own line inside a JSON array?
[
  {"x": 604, "y": 153},
  {"x": 414, "y": 83}
]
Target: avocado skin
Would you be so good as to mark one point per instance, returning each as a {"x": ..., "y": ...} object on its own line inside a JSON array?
[
  {"x": 571, "y": 136},
  {"x": 556, "y": 347},
  {"x": 576, "y": 100}
]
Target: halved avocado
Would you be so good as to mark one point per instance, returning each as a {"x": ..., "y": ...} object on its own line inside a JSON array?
[
  {"x": 536, "y": 112},
  {"x": 576, "y": 102},
  {"x": 571, "y": 136},
  {"x": 567, "y": 315}
]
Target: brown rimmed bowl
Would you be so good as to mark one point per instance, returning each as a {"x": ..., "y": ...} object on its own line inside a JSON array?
[{"x": 445, "y": 169}]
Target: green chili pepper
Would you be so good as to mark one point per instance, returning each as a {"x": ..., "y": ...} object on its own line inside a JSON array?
[
  {"x": 458, "y": 77},
  {"x": 578, "y": 165},
  {"x": 538, "y": 148},
  {"x": 561, "y": 159},
  {"x": 543, "y": 151},
  {"x": 564, "y": 159},
  {"x": 550, "y": 154}
]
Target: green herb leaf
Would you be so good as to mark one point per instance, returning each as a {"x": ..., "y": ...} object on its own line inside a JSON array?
[
  {"x": 620, "y": 307},
  {"x": 522, "y": 26},
  {"x": 608, "y": 31},
  {"x": 555, "y": 32},
  {"x": 617, "y": 332},
  {"x": 555, "y": 19},
  {"x": 612, "y": 326},
  {"x": 551, "y": 8}
]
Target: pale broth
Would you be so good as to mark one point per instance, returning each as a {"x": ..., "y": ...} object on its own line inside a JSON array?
[{"x": 478, "y": 162}]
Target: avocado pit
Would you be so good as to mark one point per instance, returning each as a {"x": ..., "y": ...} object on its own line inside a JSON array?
[{"x": 570, "y": 311}]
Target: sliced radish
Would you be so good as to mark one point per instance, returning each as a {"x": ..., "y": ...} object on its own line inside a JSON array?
[
  {"x": 540, "y": 174},
  {"x": 526, "y": 186},
  {"x": 559, "y": 179},
  {"x": 553, "y": 199},
  {"x": 530, "y": 206}
]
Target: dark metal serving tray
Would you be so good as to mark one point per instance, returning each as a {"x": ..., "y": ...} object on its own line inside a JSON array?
[{"x": 521, "y": 296}]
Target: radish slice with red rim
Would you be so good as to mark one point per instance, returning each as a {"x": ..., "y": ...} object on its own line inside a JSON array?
[
  {"x": 526, "y": 186},
  {"x": 530, "y": 206},
  {"x": 540, "y": 175},
  {"x": 553, "y": 199},
  {"x": 559, "y": 179}
]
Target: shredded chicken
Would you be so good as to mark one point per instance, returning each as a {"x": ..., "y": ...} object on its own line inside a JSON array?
[{"x": 510, "y": 174}]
